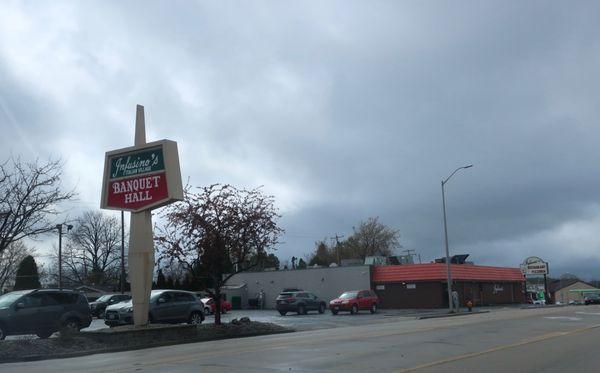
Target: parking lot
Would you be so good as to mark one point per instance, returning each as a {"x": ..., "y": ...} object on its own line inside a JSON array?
[{"x": 311, "y": 321}]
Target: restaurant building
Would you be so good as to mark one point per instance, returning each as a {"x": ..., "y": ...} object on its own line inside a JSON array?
[
  {"x": 398, "y": 286},
  {"x": 425, "y": 285}
]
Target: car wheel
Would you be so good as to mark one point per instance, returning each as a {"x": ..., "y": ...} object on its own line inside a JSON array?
[
  {"x": 321, "y": 308},
  {"x": 301, "y": 310},
  {"x": 2, "y": 332},
  {"x": 334, "y": 312},
  {"x": 195, "y": 318},
  {"x": 354, "y": 309},
  {"x": 71, "y": 326},
  {"x": 283, "y": 313},
  {"x": 44, "y": 334},
  {"x": 374, "y": 308}
]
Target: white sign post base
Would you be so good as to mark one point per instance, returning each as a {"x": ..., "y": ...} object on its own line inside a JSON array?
[{"x": 141, "y": 265}]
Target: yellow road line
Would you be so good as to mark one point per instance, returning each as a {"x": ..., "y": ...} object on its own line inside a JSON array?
[{"x": 537, "y": 339}]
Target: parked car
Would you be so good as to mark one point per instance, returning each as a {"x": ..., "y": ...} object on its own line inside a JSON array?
[
  {"x": 43, "y": 312},
  {"x": 300, "y": 302},
  {"x": 166, "y": 306},
  {"x": 210, "y": 306},
  {"x": 592, "y": 299},
  {"x": 98, "y": 306},
  {"x": 354, "y": 301}
]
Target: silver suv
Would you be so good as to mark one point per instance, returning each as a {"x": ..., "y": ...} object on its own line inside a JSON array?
[{"x": 166, "y": 306}]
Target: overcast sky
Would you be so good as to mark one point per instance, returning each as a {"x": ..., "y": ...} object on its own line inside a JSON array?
[{"x": 342, "y": 110}]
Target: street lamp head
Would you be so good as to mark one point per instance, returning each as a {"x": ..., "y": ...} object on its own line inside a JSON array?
[
  {"x": 469, "y": 166},
  {"x": 59, "y": 226},
  {"x": 69, "y": 227}
]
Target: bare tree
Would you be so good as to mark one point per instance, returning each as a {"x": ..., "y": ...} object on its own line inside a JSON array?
[
  {"x": 216, "y": 232},
  {"x": 371, "y": 238},
  {"x": 30, "y": 193},
  {"x": 92, "y": 252},
  {"x": 9, "y": 261}
]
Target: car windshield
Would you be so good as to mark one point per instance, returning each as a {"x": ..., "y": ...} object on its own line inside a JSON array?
[
  {"x": 155, "y": 294},
  {"x": 349, "y": 294},
  {"x": 8, "y": 299},
  {"x": 286, "y": 295},
  {"x": 103, "y": 298}
]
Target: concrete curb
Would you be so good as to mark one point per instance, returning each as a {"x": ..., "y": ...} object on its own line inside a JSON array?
[
  {"x": 545, "y": 306},
  {"x": 424, "y": 317}
]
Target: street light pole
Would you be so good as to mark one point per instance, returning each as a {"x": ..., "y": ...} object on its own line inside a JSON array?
[
  {"x": 448, "y": 266},
  {"x": 60, "y": 233}
]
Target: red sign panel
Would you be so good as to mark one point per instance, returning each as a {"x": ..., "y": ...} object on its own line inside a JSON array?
[{"x": 137, "y": 192}]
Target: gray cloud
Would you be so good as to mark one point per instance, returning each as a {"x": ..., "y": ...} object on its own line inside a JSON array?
[{"x": 343, "y": 110}]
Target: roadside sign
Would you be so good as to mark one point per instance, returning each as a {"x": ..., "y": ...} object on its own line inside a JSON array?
[
  {"x": 142, "y": 177},
  {"x": 534, "y": 266}
]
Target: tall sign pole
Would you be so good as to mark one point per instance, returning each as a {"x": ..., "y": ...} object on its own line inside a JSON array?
[
  {"x": 141, "y": 244},
  {"x": 122, "y": 252},
  {"x": 139, "y": 179}
]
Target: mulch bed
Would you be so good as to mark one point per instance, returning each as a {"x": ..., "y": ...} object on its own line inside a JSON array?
[{"x": 128, "y": 338}]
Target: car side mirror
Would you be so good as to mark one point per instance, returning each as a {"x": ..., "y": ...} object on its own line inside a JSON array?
[{"x": 20, "y": 305}]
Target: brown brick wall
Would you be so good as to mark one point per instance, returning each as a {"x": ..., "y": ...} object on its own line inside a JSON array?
[
  {"x": 434, "y": 294},
  {"x": 424, "y": 295}
]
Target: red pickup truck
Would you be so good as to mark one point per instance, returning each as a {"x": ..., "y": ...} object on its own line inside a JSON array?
[{"x": 354, "y": 301}]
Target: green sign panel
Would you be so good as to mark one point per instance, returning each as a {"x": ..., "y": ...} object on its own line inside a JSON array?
[{"x": 136, "y": 163}]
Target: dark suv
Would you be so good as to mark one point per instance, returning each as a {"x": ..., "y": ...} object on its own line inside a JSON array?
[
  {"x": 170, "y": 306},
  {"x": 592, "y": 299},
  {"x": 300, "y": 302},
  {"x": 43, "y": 312},
  {"x": 98, "y": 306}
]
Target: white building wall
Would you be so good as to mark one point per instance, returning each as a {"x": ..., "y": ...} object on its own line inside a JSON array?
[{"x": 326, "y": 283}]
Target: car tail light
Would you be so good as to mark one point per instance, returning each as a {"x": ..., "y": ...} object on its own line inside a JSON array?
[{"x": 291, "y": 300}]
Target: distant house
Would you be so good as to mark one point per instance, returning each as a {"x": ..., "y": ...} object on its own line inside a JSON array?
[
  {"x": 93, "y": 293},
  {"x": 561, "y": 290}
]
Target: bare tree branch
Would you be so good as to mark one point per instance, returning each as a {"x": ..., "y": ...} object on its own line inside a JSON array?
[{"x": 29, "y": 197}]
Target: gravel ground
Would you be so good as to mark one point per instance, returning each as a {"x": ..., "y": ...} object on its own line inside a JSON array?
[{"x": 128, "y": 338}]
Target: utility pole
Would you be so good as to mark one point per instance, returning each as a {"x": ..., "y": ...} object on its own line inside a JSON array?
[
  {"x": 122, "y": 252},
  {"x": 409, "y": 254},
  {"x": 337, "y": 247}
]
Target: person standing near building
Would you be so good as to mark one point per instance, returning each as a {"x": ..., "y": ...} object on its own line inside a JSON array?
[{"x": 455, "y": 304}]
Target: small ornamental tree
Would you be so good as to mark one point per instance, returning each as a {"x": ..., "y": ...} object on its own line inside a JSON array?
[
  {"x": 216, "y": 232},
  {"x": 27, "y": 275}
]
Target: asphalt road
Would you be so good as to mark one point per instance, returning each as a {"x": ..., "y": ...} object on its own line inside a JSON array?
[{"x": 549, "y": 340}]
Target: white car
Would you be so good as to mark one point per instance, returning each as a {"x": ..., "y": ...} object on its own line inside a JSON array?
[{"x": 206, "y": 302}]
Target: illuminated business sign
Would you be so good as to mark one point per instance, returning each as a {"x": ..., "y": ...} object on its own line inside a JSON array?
[
  {"x": 142, "y": 177},
  {"x": 534, "y": 266}
]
